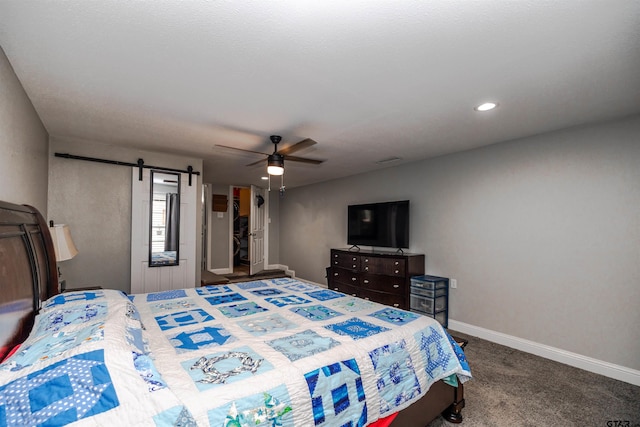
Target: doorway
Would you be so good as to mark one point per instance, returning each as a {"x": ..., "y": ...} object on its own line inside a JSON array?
[
  {"x": 240, "y": 229},
  {"x": 247, "y": 230}
]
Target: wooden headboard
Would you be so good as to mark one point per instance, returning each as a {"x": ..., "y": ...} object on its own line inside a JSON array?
[{"x": 28, "y": 273}]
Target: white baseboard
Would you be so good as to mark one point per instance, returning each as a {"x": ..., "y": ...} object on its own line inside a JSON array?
[
  {"x": 280, "y": 267},
  {"x": 291, "y": 273},
  {"x": 266, "y": 267},
  {"x": 607, "y": 369}
]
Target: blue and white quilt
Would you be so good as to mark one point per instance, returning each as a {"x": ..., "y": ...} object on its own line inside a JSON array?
[{"x": 278, "y": 352}]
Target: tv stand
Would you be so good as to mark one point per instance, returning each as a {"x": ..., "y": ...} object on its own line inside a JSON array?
[{"x": 383, "y": 277}]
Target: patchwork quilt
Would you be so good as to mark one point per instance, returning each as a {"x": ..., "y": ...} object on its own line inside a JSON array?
[{"x": 278, "y": 352}]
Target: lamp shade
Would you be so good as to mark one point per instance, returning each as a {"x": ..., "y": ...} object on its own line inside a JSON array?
[
  {"x": 275, "y": 164},
  {"x": 63, "y": 244}
]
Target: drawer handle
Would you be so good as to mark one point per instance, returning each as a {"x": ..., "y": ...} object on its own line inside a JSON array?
[
  {"x": 335, "y": 262},
  {"x": 353, "y": 279},
  {"x": 335, "y": 289},
  {"x": 354, "y": 266},
  {"x": 396, "y": 262},
  {"x": 366, "y": 268},
  {"x": 366, "y": 281},
  {"x": 335, "y": 255},
  {"x": 353, "y": 295},
  {"x": 397, "y": 271},
  {"x": 396, "y": 305},
  {"x": 335, "y": 274},
  {"x": 366, "y": 260},
  {"x": 353, "y": 259},
  {"x": 396, "y": 286},
  {"x": 367, "y": 298}
]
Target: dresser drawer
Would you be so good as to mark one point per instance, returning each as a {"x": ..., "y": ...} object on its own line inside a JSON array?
[
  {"x": 344, "y": 288},
  {"x": 345, "y": 260},
  {"x": 392, "y": 300},
  {"x": 397, "y": 301},
  {"x": 381, "y": 265},
  {"x": 390, "y": 284},
  {"x": 343, "y": 275}
]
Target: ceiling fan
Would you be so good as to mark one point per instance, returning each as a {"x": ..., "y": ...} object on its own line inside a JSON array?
[{"x": 276, "y": 159}]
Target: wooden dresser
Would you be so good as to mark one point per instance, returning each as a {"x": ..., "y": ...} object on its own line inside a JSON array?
[{"x": 383, "y": 277}]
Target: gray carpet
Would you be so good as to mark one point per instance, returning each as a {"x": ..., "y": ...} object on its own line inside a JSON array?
[{"x": 513, "y": 388}]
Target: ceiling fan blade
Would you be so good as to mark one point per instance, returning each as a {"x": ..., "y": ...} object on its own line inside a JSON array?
[
  {"x": 292, "y": 159},
  {"x": 285, "y": 152},
  {"x": 257, "y": 162},
  {"x": 305, "y": 143},
  {"x": 303, "y": 160},
  {"x": 242, "y": 149}
]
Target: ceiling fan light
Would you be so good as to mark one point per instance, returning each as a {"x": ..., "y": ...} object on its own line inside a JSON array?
[
  {"x": 487, "y": 106},
  {"x": 275, "y": 164},
  {"x": 275, "y": 170}
]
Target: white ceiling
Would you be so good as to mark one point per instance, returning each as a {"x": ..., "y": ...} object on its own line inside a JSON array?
[{"x": 367, "y": 80}]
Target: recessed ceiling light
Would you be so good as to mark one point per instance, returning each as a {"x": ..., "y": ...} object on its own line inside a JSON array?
[
  {"x": 264, "y": 178},
  {"x": 486, "y": 106}
]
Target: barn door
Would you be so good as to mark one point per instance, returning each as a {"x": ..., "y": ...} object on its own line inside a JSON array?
[{"x": 145, "y": 279}]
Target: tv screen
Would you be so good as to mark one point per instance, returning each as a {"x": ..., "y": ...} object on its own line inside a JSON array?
[{"x": 379, "y": 224}]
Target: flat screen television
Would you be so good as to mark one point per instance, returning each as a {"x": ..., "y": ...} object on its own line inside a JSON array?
[{"x": 383, "y": 225}]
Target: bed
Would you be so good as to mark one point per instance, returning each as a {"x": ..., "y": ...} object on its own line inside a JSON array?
[{"x": 268, "y": 353}]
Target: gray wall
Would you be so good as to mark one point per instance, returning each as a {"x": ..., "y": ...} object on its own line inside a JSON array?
[
  {"x": 273, "y": 198},
  {"x": 219, "y": 231},
  {"x": 94, "y": 199},
  {"x": 24, "y": 144},
  {"x": 542, "y": 234}
]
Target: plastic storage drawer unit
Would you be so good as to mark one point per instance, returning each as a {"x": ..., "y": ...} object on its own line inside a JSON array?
[
  {"x": 430, "y": 297},
  {"x": 442, "y": 318},
  {"x": 428, "y": 292},
  {"x": 428, "y": 305},
  {"x": 429, "y": 282}
]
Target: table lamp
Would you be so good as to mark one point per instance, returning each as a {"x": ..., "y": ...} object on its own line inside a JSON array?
[{"x": 63, "y": 246}]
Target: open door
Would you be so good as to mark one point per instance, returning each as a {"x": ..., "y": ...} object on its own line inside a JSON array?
[{"x": 257, "y": 218}]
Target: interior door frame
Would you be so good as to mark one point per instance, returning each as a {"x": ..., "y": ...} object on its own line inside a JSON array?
[
  {"x": 257, "y": 225},
  {"x": 266, "y": 226},
  {"x": 205, "y": 259}
]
